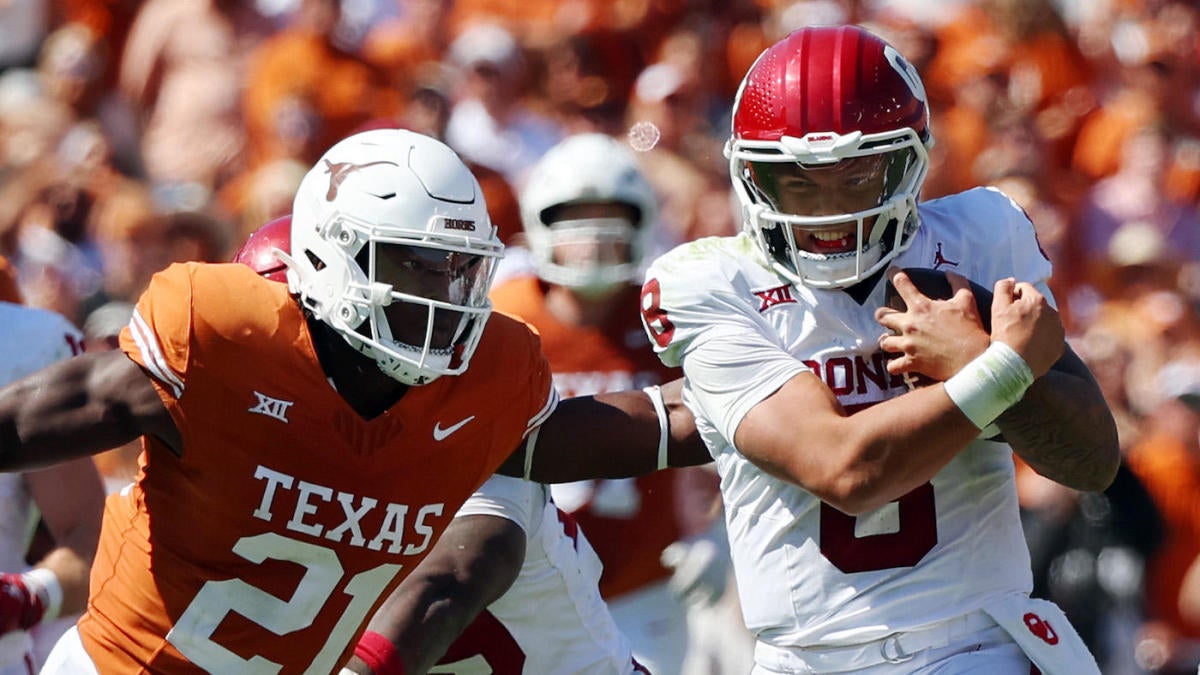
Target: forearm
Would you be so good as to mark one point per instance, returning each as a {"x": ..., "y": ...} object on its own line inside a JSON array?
[
  {"x": 472, "y": 565},
  {"x": 1065, "y": 431},
  {"x": 72, "y": 571},
  {"x": 421, "y": 624},
  {"x": 854, "y": 459},
  {"x": 612, "y": 435},
  {"x": 884, "y": 452}
]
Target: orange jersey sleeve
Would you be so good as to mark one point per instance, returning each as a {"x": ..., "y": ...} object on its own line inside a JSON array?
[{"x": 288, "y": 517}]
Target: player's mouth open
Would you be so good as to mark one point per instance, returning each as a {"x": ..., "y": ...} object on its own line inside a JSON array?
[{"x": 831, "y": 241}]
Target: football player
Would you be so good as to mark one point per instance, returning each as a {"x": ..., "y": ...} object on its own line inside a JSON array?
[
  {"x": 37, "y": 604},
  {"x": 305, "y": 445},
  {"x": 871, "y": 531},
  {"x": 525, "y": 571},
  {"x": 589, "y": 217}
]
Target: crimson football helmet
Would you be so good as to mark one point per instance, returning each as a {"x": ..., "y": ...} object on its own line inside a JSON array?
[
  {"x": 261, "y": 250},
  {"x": 821, "y": 99},
  {"x": 392, "y": 247}
]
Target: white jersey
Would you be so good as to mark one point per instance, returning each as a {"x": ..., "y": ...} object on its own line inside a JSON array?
[
  {"x": 30, "y": 339},
  {"x": 807, "y": 573},
  {"x": 552, "y": 619}
]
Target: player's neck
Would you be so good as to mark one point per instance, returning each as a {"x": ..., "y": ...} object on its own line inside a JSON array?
[
  {"x": 574, "y": 309},
  {"x": 365, "y": 388}
]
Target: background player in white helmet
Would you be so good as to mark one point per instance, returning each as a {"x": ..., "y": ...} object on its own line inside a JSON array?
[
  {"x": 589, "y": 217},
  {"x": 527, "y": 576},
  {"x": 872, "y": 531},
  {"x": 67, "y": 497}
]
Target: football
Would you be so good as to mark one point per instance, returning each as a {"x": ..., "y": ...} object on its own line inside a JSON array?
[{"x": 933, "y": 284}]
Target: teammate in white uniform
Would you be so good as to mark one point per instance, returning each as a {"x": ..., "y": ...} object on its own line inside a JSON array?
[
  {"x": 69, "y": 497},
  {"x": 551, "y": 619},
  {"x": 881, "y": 539}
]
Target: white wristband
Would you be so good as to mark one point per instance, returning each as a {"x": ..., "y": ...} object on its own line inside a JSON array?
[
  {"x": 660, "y": 409},
  {"x": 45, "y": 583},
  {"x": 990, "y": 384}
]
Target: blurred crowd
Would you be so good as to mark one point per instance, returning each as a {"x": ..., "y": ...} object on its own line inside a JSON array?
[{"x": 138, "y": 133}]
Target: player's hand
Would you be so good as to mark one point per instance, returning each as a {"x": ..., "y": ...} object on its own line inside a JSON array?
[
  {"x": 700, "y": 569},
  {"x": 1023, "y": 319},
  {"x": 20, "y": 607},
  {"x": 935, "y": 338}
]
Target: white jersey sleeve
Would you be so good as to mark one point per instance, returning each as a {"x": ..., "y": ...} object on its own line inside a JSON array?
[
  {"x": 520, "y": 501},
  {"x": 33, "y": 339},
  {"x": 700, "y": 306}
]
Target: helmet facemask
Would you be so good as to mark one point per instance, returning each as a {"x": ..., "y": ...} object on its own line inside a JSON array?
[
  {"x": 790, "y": 202},
  {"x": 417, "y": 306},
  {"x": 591, "y": 248}
]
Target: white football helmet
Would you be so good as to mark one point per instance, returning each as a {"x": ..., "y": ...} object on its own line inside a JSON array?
[
  {"x": 379, "y": 216},
  {"x": 820, "y": 98},
  {"x": 587, "y": 169}
]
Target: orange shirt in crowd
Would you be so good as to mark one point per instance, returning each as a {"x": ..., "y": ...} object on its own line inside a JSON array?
[{"x": 1172, "y": 475}]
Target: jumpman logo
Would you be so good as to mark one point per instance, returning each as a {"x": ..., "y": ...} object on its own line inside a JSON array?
[
  {"x": 939, "y": 259},
  {"x": 338, "y": 172}
]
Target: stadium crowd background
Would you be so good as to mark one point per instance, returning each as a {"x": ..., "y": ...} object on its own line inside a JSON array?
[{"x": 138, "y": 133}]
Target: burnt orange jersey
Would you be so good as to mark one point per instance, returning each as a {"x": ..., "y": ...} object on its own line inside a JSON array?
[
  {"x": 267, "y": 545},
  {"x": 628, "y": 522}
]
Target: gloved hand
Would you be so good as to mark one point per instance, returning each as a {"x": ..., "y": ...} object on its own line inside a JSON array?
[
  {"x": 20, "y": 606},
  {"x": 700, "y": 566}
]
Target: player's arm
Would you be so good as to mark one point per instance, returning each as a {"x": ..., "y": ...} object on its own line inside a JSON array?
[
  {"x": 471, "y": 565},
  {"x": 1064, "y": 429},
  {"x": 613, "y": 435},
  {"x": 79, "y": 407},
  {"x": 858, "y": 462},
  {"x": 70, "y": 498}
]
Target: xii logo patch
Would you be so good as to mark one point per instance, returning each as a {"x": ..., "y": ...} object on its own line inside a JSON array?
[
  {"x": 774, "y": 296},
  {"x": 271, "y": 407}
]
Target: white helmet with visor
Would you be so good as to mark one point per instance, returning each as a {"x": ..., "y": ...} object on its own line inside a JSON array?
[{"x": 392, "y": 247}]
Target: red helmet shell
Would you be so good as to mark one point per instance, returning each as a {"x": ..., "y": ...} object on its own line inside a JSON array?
[
  {"x": 259, "y": 250},
  {"x": 829, "y": 79}
]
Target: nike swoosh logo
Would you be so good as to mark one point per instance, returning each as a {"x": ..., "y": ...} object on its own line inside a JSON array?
[{"x": 440, "y": 434}]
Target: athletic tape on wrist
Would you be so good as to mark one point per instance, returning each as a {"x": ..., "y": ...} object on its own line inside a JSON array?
[
  {"x": 660, "y": 409},
  {"x": 990, "y": 384},
  {"x": 379, "y": 654},
  {"x": 45, "y": 583}
]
